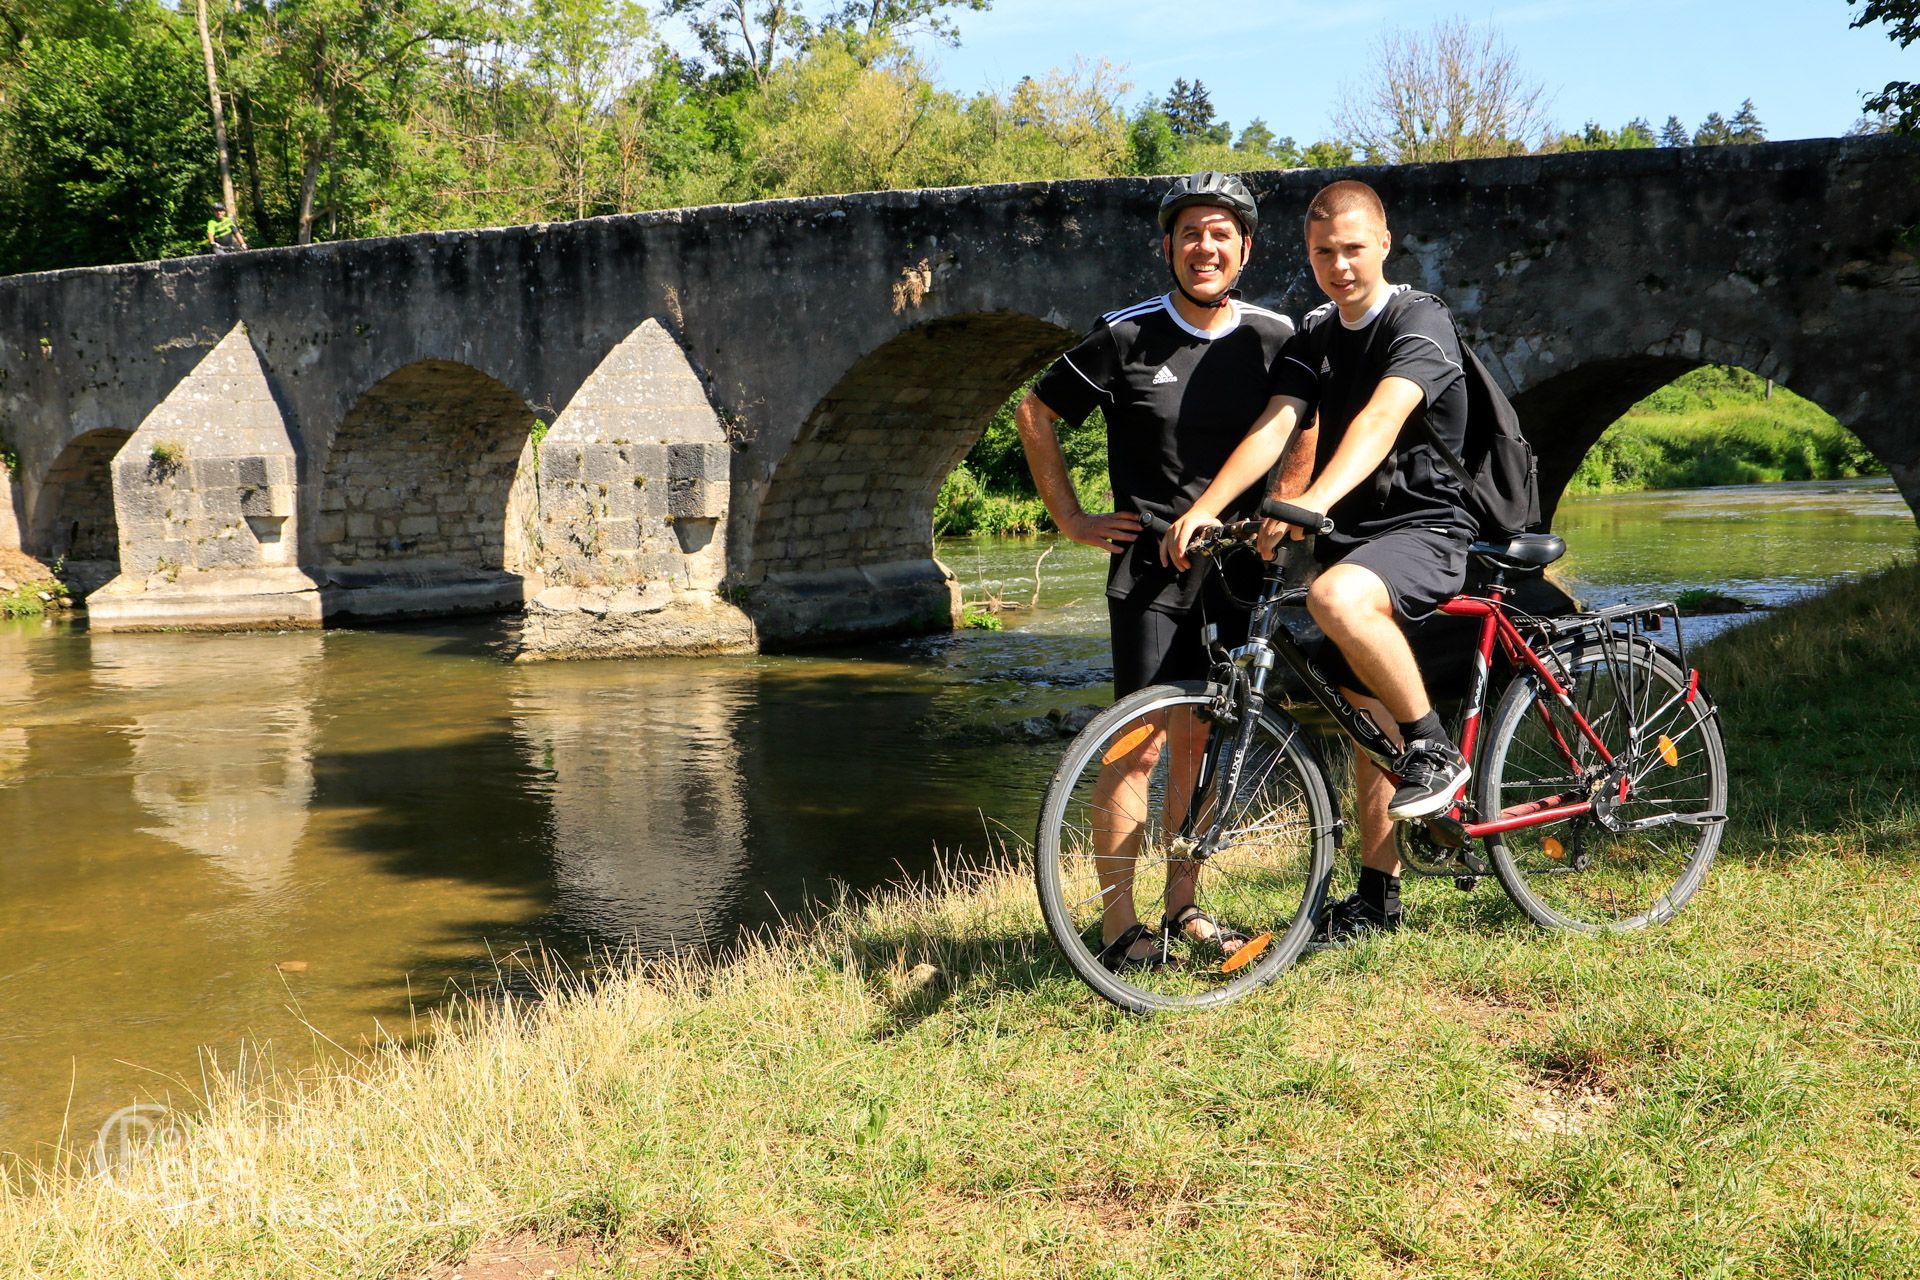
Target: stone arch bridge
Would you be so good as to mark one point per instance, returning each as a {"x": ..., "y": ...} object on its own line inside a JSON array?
[{"x": 706, "y": 429}]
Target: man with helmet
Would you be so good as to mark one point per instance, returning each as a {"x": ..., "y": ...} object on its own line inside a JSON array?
[
  {"x": 1180, "y": 378},
  {"x": 223, "y": 233}
]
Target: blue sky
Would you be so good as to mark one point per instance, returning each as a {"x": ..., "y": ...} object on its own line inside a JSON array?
[{"x": 1606, "y": 60}]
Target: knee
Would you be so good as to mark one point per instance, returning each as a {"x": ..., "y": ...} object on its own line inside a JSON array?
[{"x": 1340, "y": 599}]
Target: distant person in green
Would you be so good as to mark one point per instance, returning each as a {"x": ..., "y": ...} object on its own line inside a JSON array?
[{"x": 223, "y": 233}]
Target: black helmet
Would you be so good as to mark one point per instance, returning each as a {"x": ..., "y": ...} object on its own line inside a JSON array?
[{"x": 1221, "y": 190}]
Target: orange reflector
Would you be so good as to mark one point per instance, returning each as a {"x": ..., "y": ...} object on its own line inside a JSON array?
[
  {"x": 1669, "y": 752},
  {"x": 1126, "y": 742},
  {"x": 1247, "y": 954},
  {"x": 1554, "y": 849}
]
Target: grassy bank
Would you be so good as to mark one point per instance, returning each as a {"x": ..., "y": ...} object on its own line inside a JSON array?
[
  {"x": 1735, "y": 1095},
  {"x": 1718, "y": 425},
  {"x": 28, "y": 587}
]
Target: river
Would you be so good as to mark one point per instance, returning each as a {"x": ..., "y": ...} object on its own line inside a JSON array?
[{"x": 286, "y": 839}]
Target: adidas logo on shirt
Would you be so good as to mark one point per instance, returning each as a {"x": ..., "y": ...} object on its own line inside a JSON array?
[{"x": 1163, "y": 377}]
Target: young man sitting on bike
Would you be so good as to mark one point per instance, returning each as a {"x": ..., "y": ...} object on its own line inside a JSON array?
[
  {"x": 1180, "y": 378},
  {"x": 1399, "y": 547}
]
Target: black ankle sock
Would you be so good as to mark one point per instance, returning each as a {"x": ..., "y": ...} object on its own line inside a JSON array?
[
  {"x": 1378, "y": 889},
  {"x": 1427, "y": 726}
]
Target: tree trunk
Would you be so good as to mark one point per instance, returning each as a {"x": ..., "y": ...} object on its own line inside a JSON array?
[
  {"x": 309, "y": 185},
  {"x": 219, "y": 115}
]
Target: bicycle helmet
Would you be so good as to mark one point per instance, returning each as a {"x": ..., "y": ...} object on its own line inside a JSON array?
[{"x": 1221, "y": 190}]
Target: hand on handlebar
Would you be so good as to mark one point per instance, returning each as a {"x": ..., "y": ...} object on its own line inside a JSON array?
[
  {"x": 1181, "y": 533},
  {"x": 1273, "y": 533},
  {"x": 1108, "y": 530}
]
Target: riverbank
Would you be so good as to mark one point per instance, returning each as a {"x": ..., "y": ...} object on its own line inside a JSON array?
[
  {"x": 1732, "y": 1094},
  {"x": 28, "y": 587}
]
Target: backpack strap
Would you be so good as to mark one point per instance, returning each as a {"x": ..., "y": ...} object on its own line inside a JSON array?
[{"x": 1447, "y": 455}]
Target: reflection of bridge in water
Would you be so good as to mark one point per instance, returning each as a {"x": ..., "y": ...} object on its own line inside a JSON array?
[
  {"x": 228, "y": 778},
  {"x": 641, "y": 770},
  {"x": 630, "y": 425}
]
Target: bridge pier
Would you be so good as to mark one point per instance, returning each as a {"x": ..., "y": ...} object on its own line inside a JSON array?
[
  {"x": 630, "y": 545},
  {"x": 203, "y": 496}
]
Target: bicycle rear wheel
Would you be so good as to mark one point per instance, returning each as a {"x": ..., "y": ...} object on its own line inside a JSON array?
[
  {"x": 1115, "y": 837},
  {"x": 1580, "y": 874}
]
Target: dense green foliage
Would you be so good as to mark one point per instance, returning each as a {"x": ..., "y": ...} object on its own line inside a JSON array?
[
  {"x": 1717, "y": 425},
  {"x": 345, "y": 118},
  {"x": 992, "y": 491},
  {"x": 349, "y": 119},
  {"x": 107, "y": 142}
]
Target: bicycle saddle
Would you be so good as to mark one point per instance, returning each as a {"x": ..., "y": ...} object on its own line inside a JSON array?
[{"x": 1522, "y": 551}]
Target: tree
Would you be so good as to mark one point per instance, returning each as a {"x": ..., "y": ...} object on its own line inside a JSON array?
[
  {"x": 1327, "y": 155},
  {"x": 897, "y": 20},
  {"x": 1674, "y": 134},
  {"x": 1595, "y": 137},
  {"x": 1189, "y": 111},
  {"x": 1152, "y": 145},
  {"x": 1714, "y": 131},
  {"x": 1449, "y": 93},
  {"x": 219, "y": 113},
  {"x": 106, "y": 151},
  {"x": 1900, "y": 100},
  {"x": 1746, "y": 126}
]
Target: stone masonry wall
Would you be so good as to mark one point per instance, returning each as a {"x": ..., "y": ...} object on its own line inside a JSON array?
[
  {"x": 73, "y": 519},
  {"x": 858, "y": 487},
  {"x": 431, "y": 469}
]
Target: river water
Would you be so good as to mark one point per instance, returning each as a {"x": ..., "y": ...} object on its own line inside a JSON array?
[{"x": 286, "y": 839}]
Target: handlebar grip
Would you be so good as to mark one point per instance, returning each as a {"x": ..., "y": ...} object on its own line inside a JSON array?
[
  {"x": 1151, "y": 523},
  {"x": 1311, "y": 521}
]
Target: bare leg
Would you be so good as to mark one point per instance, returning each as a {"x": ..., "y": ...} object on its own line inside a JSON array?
[
  {"x": 1372, "y": 791},
  {"x": 1352, "y": 606},
  {"x": 1120, "y": 801}
]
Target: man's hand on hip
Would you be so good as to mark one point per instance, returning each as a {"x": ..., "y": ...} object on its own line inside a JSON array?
[{"x": 1108, "y": 530}]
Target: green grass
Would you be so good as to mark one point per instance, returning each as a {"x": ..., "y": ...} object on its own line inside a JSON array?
[
  {"x": 1716, "y": 425},
  {"x": 25, "y": 600},
  {"x": 1734, "y": 1095}
]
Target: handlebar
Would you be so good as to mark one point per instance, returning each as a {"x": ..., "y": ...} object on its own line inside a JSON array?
[{"x": 1311, "y": 521}]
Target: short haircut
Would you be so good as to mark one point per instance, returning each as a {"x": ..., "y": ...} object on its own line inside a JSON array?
[{"x": 1344, "y": 197}]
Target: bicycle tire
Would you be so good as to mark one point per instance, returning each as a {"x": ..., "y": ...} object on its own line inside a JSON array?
[
  {"x": 1269, "y": 878},
  {"x": 1578, "y": 874}
]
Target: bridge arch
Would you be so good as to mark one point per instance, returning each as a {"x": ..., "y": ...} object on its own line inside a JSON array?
[
  {"x": 73, "y": 515},
  {"x": 428, "y": 480},
  {"x": 853, "y": 496},
  {"x": 1567, "y": 413}
]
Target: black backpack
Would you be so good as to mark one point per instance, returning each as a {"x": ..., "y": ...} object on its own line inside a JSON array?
[{"x": 1499, "y": 474}]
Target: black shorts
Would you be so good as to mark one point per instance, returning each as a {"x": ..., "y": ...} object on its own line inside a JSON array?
[
  {"x": 1152, "y": 646},
  {"x": 1422, "y": 568}
]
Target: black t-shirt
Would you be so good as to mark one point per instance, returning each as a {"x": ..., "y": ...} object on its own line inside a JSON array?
[
  {"x": 1177, "y": 402},
  {"x": 1335, "y": 368}
]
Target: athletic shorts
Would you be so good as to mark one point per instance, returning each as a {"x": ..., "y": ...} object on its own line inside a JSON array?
[
  {"x": 1422, "y": 568},
  {"x": 1152, "y": 646}
]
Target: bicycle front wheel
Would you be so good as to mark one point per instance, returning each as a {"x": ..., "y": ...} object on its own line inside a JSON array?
[
  {"x": 1132, "y": 828},
  {"x": 1640, "y": 866}
]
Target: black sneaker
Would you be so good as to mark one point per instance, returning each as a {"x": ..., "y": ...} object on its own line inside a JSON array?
[
  {"x": 1430, "y": 772},
  {"x": 1350, "y": 918}
]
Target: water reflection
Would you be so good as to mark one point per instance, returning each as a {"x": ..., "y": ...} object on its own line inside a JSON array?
[
  {"x": 641, "y": 766},
  {"x": 222, "y": 745}
]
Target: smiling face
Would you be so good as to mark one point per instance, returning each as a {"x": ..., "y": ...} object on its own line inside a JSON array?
[
  {"x": 1349, "y": 252},
  {"x": 1207, "y": 250}
]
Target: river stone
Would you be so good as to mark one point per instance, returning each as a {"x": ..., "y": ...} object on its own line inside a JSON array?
[{"x": 1073, "y": 719}]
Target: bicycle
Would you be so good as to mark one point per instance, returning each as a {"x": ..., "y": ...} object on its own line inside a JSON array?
[{"x": 1598, "y": 790}]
